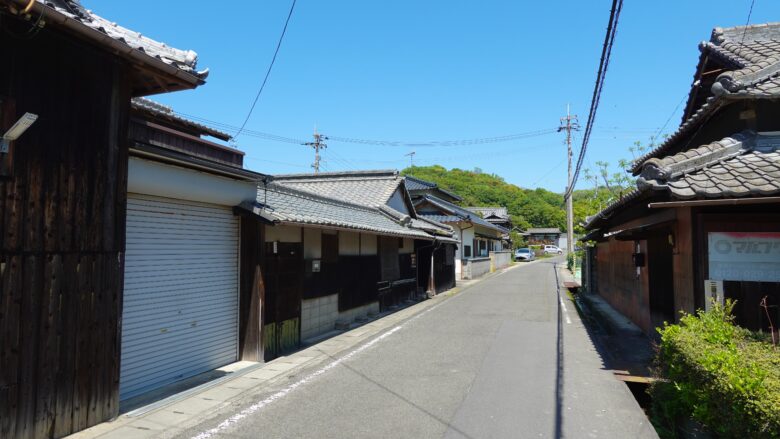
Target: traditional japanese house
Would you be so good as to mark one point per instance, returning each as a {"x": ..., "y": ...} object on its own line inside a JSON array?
[
  {"x": 63, "y": 205},
  {"x": 543, "y": 235},
  {"x": 484, "y": 247},
  {"x": 332, "y": 261},
  {"x": 703, "y": 220}
]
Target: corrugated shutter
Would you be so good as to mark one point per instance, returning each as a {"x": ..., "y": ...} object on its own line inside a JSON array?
[{"x": 181, "y": 292}]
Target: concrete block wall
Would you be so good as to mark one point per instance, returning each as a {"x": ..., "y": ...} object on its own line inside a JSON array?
[
  {"x": 475, "y": 267},
  {"x": 500, "y": 259},
  {"x": 319, "y": 315}
]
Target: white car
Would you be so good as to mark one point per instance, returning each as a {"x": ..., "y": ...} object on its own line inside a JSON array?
[{"x": 552, "y": 250}]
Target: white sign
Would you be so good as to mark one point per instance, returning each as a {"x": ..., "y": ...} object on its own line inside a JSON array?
[{"x": 744, "y": 256}]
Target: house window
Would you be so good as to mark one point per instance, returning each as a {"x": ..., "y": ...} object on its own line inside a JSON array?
[{"x": 466, "y": 251}]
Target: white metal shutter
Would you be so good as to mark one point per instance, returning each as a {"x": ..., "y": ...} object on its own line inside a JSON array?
[{"x": 180, "y": 313}]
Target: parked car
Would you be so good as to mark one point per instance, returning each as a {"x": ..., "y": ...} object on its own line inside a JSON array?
[
  {"x": 552, "y": 250},
  {"x": 524, "y": 254}
]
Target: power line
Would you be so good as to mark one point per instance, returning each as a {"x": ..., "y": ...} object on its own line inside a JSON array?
[
  {"x": 609, "y": 39},
  {"x": 268, "y": 72},
  {"x": 436, "y": 143},
  {"x": 747, "y": 22}
]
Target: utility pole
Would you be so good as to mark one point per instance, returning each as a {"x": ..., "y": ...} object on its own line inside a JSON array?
[
  {"x": 317, "y": 144},
  {"x": 411, "y": 158},
  {"x": 569, "y": 124}
]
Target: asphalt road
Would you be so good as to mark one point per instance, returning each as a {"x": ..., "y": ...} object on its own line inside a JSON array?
[{"x": 501, "y": 359}]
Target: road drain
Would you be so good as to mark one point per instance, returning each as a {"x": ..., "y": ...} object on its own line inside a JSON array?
[{"x": 639, "y": 390}]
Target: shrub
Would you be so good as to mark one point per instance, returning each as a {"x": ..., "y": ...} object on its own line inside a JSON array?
[{"x": 718, "y": 374}]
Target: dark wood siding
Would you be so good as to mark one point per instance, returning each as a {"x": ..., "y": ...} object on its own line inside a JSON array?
[
  {"x": 62, "y": 218},
  {"x": 252, "y": 278}
]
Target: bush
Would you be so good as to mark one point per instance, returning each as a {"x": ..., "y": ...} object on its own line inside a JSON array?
[
  {"x": 570, "y": 258},
  {"x": 718, "y": 374}
]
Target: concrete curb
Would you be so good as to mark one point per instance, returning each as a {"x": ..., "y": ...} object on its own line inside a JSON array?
[{"x": 172, "y": 415}]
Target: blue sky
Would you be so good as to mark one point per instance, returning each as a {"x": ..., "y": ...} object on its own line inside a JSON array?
[{"x": 436, "y": 70}]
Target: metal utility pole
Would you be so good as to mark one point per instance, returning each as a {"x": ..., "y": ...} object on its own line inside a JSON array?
[
  {"x": 411, "y": 158},
  {"x": 569, "y": 124},
  {"x": 317, "y": 144}
]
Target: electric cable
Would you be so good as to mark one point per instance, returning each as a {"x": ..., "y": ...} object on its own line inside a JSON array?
[{"x": 268, "y": 72}]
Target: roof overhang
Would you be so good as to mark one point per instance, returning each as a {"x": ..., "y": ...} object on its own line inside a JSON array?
[{"x": 152, "y": 74}]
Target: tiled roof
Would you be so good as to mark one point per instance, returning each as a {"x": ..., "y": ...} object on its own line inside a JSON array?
[
  {"x": 543, "y": 230},
  {"x": 415, "y": 185},
  {"x": 499, "y": 212},
  {"x": 745, "y": 164},
  {"x": 594, "y": 221},
  {"x": 65, "y": 10},
  {"x": 457, "y": 211},
  {"x": 755, "y": 74},
  {"x": 365, "y": 188},
  {"x": 290, "y": 206},
  {"x": 159, "y": 110},
  {"x": 441, "y": 218}
]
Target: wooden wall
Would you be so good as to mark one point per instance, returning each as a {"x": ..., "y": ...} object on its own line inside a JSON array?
[
  {"x": 62, "y": 231},
  {"x": 252, "y": 289},
  {"x": 618, "y": 283}
]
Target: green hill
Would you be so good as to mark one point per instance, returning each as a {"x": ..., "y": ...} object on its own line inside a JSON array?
[{"x": 528, "y": 207}]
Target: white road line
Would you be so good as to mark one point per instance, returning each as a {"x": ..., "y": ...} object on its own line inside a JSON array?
[
  {"x": 565, "y": 311},
  {"x": 238, "y": 417}
]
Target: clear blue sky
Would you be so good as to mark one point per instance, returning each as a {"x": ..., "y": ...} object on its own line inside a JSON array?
[{"x": 436, "y": 70}]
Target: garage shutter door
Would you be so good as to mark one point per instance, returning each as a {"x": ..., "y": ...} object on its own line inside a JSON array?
[{"x": 181, "y": 292}]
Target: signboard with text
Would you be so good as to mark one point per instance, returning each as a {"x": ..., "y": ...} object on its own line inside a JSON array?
[{"x": 744, "y": 256}]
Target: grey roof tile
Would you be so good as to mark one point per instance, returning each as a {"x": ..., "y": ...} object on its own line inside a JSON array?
[
  {"x": 185, "y": 60},
  {"x": 291, "y": 206},
  {"x": 754, "y": 74},
  {"x": 365, "y": 188}
]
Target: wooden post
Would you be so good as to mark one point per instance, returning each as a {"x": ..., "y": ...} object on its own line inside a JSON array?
[{"x": 683, "y": 262}]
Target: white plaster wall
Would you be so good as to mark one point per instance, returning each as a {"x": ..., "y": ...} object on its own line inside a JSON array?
[
  {"x": 397, "y": 202},
  {"x": 283, "y": 234},
  {"x": 312, "y": 243},
  {"x": 408, "y": 246},
  {"x": 368, "y": 244},
  {"x": 468, "y": 239},
  {"x": 349, "y": 244},
  {"x": 318, "y": 316}
]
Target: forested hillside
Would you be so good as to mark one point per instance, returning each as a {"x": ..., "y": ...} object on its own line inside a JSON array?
[{"x": 528, "y": 207}]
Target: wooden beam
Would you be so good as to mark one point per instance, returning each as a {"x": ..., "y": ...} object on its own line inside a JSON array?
[{"x": 719, "y": 202}]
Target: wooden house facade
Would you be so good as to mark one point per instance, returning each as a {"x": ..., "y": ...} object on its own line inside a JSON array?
[
  {"x": 702, "y": 223},
  {"x": 331, "y": 262}
]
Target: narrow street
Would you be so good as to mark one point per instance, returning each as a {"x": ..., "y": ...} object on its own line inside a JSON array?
[{"x": 484, "y": 363}]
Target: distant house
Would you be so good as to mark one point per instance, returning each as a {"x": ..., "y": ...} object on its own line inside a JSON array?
[
  {"x": 479, "y": 238},
  {"x": 494, "y": 215},
  {"x": 543, "y": 236},
  {"x": 702, "y": 222}
]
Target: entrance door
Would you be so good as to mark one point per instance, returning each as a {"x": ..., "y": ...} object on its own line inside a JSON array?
[
  {"x": 284, "y": 292},
  {"x": 661, "y": 278}
]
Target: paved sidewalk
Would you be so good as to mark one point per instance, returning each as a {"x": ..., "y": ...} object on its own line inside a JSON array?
[{"x": 173, "y": 415}]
